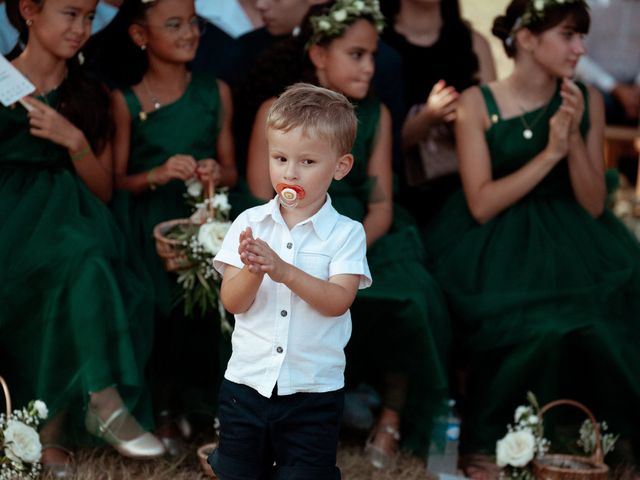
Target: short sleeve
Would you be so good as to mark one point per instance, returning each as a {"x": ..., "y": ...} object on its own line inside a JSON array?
[
  {"x": 228, "y": 254},
  {"x": 351, "y": 256}
]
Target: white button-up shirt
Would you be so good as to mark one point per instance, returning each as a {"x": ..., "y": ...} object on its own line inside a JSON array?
[{"x": 281, "y": 338}]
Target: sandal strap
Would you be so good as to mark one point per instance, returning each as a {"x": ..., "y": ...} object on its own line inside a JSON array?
[
  {"x": 391, "y": 431},
  {"x": 106, "y": 425}
]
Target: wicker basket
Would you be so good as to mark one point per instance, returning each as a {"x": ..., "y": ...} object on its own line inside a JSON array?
[
  {"x": 172, "y": 251},
  {"x": 572, "y": 467},
  {"x": 7, "y": 397}
]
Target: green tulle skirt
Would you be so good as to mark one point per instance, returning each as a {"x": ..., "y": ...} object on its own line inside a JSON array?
[
  {"x": 75, "y": 313},
  {"x": 544, "y": 298}
]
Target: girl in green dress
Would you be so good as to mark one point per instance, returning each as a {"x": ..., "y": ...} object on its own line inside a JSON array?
[
  {"x": 172, "y": 126},
  {"x": 74, "y": 329},
  {"x": 400, "y": 334},
  {"x": 542, "y": 279}
]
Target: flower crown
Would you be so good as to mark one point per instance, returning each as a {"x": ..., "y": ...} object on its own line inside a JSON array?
[
  {"x": 534, "y": 12},
  {"x": 342, "y": 14},
  {"x": 536, "y": 9}
]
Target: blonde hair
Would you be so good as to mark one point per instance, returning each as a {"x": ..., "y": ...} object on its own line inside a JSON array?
[{"x": 316, "y": 110}]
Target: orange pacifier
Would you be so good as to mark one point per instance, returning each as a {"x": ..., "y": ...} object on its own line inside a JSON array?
[{"x": 289, "y": 194}]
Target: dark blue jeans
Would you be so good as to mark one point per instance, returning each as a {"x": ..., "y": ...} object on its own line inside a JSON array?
[{"x": 292, "y": 437}]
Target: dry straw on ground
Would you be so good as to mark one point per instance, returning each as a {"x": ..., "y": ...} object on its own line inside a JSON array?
[{"x": 105, "y": 464}]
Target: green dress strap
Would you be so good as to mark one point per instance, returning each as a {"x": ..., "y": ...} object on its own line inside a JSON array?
[
  {"x": 490, "y": 102},
  {"x": 133, "y": 102}
]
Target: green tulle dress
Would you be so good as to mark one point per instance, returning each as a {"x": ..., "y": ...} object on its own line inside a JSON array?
[
  {"x": 182, "y": 359},
  {"x": 400, "y": 323},
  {"x": 545, "y": 297},
  {"x": 73, "y": 315}
]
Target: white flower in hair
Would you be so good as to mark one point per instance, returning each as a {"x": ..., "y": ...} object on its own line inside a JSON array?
[
  {"x": 539, "y": 5},
  {"x": 358, "y": 5},
  {"x": 324, "y": 25},
  {"x": 340, "y": 15}
]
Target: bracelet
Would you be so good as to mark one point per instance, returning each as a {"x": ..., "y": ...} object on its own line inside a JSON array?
[
  {"x": 151, "y": 180},
  {"x": 79, "y": 155}
]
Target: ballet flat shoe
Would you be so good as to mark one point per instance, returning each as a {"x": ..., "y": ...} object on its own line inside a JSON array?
[{"x": 144, "y": 446}]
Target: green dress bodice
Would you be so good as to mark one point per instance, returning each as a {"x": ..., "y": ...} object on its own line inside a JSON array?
[{"x": 188, "y": 126}]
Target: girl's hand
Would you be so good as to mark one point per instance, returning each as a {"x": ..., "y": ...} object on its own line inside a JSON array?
[
  {"x": 572, "y": 96},
  {"x": 441, "y": 103},
  {"x": 208, "y": 170},
  {"x": 265, "y": 260},
  {"x": 181, "y": 167},
  {"x": 49, "y": 124},
  {"x": 559, "y": 128}
]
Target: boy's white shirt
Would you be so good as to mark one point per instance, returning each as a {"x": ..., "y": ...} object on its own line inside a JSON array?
[{"x": 281, "y": 339}]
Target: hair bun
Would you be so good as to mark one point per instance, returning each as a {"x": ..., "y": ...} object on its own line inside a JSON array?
[{"x": 502, "y": 27}]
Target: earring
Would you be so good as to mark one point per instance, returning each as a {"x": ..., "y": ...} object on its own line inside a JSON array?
[
  {"x": 29, "y": 22},
  {"x": 143, "y": 47}
]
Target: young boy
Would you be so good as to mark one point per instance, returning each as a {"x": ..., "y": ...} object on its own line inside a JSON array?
[{"x": 291, "y": 269}]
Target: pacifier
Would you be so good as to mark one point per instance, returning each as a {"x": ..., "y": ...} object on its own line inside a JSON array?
[{"x": 289, "y": 194}]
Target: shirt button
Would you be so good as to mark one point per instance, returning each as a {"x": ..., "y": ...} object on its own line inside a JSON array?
[
  {"x": 279, "y": 350},
  {"x": 289, "y": 245},
  {"x": 283, "y": 313}
]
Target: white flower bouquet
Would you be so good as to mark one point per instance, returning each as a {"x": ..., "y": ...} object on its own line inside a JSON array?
[
  {"x": 522, "y": 453},
  {"x": 20, "y": 447},
  {"x": 189, "y": 245}
]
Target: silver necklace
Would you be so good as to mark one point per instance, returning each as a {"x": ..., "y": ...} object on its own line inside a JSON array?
[
  {"x": 527, "y": 131},
  {"x": 154, "y": 100}
]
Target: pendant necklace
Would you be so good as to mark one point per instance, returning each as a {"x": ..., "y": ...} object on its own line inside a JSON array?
[
  {"x": 154, "y": 100},
  {"x": 527, "y": 131}
]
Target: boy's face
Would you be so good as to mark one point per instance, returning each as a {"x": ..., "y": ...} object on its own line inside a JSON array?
[{"x": 305, "y": 160}]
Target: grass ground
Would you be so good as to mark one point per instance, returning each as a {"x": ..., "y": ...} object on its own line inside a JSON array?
[{"x": 106, "y": 464}]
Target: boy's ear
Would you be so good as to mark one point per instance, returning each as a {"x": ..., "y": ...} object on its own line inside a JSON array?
[
  {"x": 138, "y": 34},
  {"x": 343, "y": 166},
  {"x": 317, "y": 55}
]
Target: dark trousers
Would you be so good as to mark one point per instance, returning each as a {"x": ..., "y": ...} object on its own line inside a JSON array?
[{"x": 292, "y": 437}]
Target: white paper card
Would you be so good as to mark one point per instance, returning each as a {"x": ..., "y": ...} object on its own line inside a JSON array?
[{"x": 13, "y": 85}]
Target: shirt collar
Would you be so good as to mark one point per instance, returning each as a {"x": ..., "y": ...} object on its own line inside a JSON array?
[{"x": 322, "y": 221}]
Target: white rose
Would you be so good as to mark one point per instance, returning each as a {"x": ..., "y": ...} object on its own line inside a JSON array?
[
  {"x": 533, "y": 419},
  {"x": 515, "y": 449},
  {"x": 359, "y": 5},
  {"x": 324, "y": 25},
  {"x": 194, "y": 188},
  {"x": 22, "y": 443},
  {"x": 521, "y": 411},
  {"x": 220, "y": 202},
  {"x": 211, "y": 235},
  {"x": 41, "y": 408},
  {"x": 340, "y": 15},
  {"x": 539, "y": 5}
]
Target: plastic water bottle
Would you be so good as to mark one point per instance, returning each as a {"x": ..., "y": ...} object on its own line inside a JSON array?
[{"x": 444, "y": 461}]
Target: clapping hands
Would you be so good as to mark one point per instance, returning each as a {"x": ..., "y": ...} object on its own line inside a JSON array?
[
  {"x": 566, "y": 121},
  {"x": 260, "y": 257}
]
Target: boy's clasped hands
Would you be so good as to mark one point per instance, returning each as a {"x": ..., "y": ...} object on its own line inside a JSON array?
[{"x": 260, "y": 257}]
